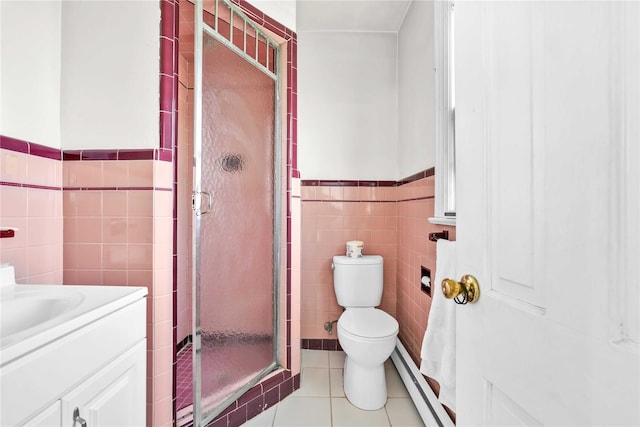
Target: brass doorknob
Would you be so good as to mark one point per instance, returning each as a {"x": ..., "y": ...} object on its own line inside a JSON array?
[{"x": 462, "y": 292}]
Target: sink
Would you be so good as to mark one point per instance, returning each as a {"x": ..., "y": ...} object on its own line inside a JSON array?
[
  {"x": 23, "y": 310},
  {"x": 64, "y": 347},
  {"x": 31, "y": 316}
]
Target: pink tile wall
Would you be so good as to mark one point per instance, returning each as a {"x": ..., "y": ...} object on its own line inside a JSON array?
[
  {"x": 293, "y": 327},
  {"x": 161, "y": 350},
  {"x": 108, "y": 222},
  {"x": 392, "y": 222},
  {"x": 118, "y": 230},
  {"x": 31, "y": 200},
  {"x": 415, "y": 205},
  {"x": 185, "y": 184},
  {"x": 332, "y": 215},
  {"x": 96, "y": 222}
]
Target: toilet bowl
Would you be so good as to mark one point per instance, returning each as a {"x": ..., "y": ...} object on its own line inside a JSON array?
[
  {"x": 366, "y": 334},
  {"x": 368, "y": 337}
]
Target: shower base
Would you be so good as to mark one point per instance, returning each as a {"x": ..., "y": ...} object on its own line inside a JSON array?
[{"x": 227, "y": 364}]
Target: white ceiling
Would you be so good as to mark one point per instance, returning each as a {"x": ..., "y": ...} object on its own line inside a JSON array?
[{"x": 350, "y": 15}]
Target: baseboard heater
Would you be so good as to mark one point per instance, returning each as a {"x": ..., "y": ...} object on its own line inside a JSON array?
[{"x": 424, "y": 399}]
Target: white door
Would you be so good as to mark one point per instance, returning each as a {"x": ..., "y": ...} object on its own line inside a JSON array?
[{"x": 547, "y": 156}]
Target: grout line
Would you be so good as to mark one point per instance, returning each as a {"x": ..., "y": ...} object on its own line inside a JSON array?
[
  {"x": 275, "y": 412},
  {"x": 330, "y": 389}
]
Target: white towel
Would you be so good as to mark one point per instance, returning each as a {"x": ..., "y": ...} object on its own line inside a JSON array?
[{"x": 439, "y": 344}]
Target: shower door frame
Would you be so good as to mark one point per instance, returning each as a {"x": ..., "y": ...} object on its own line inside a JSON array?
[{"x": 200, "y": 29}]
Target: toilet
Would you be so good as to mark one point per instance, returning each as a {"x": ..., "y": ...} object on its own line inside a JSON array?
[{"x": 367, "y": 335}]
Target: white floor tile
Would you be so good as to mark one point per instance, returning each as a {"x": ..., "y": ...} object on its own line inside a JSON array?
[
  {"x": 336, "y": 377},
  {"x": 314, "y": 382},
  {"x": 265, "y": 419},
  {"x": 336, "y": 359},
  {"x": 315, "y": 358},
  {"x": 402, "y": 412},
  {"x": 344, "y": 414},
  {"x": 303, "y": 411},
  {"x": 320, "y": 401},
  {"x": 395, "y": 386}
]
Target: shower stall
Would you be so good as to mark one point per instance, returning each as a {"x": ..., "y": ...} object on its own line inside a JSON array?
[{"x": 236, "y": 211}]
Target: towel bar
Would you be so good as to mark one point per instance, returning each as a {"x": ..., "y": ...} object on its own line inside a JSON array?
[{"x": 444, "y": 234}]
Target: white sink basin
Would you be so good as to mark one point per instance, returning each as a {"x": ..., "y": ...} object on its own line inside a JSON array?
[
  {"x": 26, "y": 309},
  {"x": 33, "y": 315}
]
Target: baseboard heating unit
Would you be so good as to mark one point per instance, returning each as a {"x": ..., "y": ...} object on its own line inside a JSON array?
[{"x": 424, "y": 399}]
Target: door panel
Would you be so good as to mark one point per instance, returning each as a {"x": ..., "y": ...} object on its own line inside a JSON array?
[
  {"x": 546, "y": 119},
  {"x": 237, "y": 238},
  {"x": 515, "y": 143}
]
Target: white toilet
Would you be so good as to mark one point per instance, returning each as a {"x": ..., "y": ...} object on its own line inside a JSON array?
[{"x": 367, "y": 335}]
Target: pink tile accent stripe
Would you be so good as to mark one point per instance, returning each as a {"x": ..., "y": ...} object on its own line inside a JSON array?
[
  {"x": 22, "y": 185},
  {"x": 112, "y": 188}
]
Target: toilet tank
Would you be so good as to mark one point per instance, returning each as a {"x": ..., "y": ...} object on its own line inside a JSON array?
[{"x": 358, "y": 281}]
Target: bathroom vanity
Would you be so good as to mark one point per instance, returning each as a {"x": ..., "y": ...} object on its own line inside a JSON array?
[{"x": 72, "y": 355}]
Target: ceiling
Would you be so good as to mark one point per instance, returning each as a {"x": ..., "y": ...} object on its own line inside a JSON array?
[{"x": 350, "y": 15}]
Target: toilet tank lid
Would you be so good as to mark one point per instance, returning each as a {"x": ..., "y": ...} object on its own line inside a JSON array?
[{"x": 366, "y": 259}]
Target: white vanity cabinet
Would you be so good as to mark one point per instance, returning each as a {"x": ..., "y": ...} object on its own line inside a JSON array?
[
  {"x": 93, "y": 375},
  {"x": 115, "y": 396},
  {"x": 49, "y": 417}
]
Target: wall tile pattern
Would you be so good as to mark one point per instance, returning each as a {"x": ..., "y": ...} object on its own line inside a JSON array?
[
  {"x": 85, "y": 220},
  {"x": 31, "y": 200},
  {"x": 332, "y": 215},
  {"x": 391, "y": 219},
  {"x": 118, "y": 218}
]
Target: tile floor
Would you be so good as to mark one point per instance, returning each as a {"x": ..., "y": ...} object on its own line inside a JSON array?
[{"x": 320, "y": 401}]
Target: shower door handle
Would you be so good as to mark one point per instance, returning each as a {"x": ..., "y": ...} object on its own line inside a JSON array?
[{"x": 196, "y": 200}]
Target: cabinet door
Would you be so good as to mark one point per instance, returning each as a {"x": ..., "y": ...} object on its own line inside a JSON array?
[
  {"x": 50, "y": 417},
  {"x": 115, "y": 396}
]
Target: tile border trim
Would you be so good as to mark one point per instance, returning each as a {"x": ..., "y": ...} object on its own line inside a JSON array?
[
  {"x": 150, "y": 188},
  {"x": 22, "y": 185},
  {"x": 33, "y": 149},
  {"x": 259, "y": 398},
  {"x": 367, "y": 183},
  {"x": 330, "y": 344},
  {"x": 26, "y": 147}
]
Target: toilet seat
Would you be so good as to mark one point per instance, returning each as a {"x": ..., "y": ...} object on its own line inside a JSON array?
[{"x": 368, "y": 323}]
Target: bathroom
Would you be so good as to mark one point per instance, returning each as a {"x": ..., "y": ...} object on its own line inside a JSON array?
[{"x": 95, "y": 184}]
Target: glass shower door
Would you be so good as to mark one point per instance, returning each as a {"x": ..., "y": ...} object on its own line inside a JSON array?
[{"x": 235, "y": 259}]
